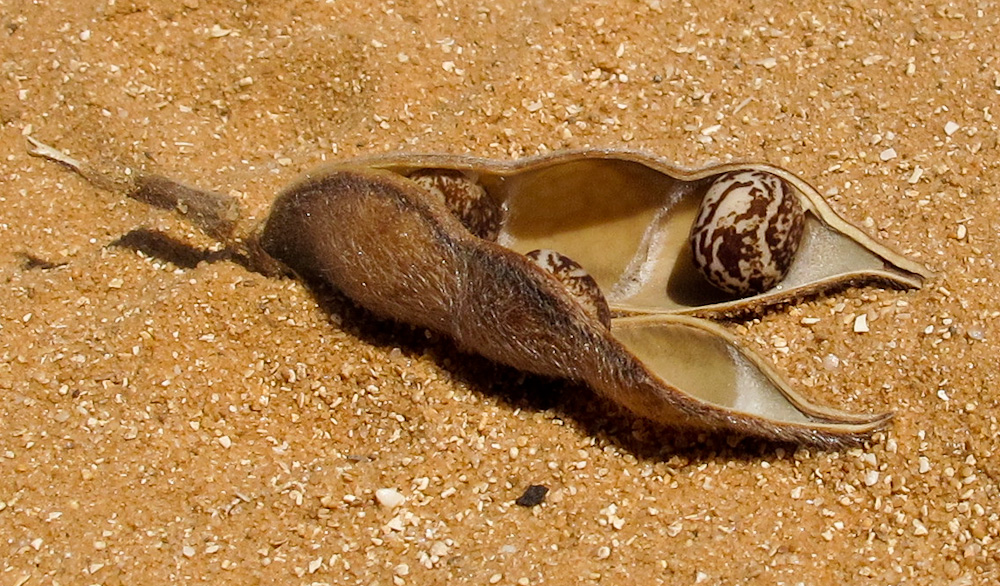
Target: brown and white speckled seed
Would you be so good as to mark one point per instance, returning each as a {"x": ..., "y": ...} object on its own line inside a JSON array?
[
  {"x": 466, "y": 199},
  {"x": 577, "y": 281},
  {"x": 747, "y": 231}
]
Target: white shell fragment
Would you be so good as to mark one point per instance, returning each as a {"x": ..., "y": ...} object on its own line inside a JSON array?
[
  {"x": 747, "y": 231},
  {"x": 389, "y": 497}
]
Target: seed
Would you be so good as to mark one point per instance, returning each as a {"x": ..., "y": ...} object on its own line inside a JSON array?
[{"x": 747, "y": 231}]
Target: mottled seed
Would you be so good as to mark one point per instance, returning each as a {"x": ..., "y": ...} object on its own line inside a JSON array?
[
  {"x": 465, "y": 198},
  {"x": 747, "y": 231},
  {"x": 577, "y": 281}
]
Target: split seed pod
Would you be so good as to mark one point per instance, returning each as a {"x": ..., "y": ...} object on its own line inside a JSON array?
[
  {"x": 627, "y": 219},
  {"x": 579, "y": 237},
  {"x": 578, "y": 265}
]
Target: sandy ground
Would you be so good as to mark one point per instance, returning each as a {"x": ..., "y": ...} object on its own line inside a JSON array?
[{"x": 167, "y": 416}]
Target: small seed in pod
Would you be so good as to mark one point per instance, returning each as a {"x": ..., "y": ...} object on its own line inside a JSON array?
[
  {"x": 465, "y": 198},
  {"x": 578, "y": 282},
  {"x": 747, "y": 230}
]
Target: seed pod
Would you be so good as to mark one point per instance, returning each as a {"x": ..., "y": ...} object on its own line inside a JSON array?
[
  {"x": 581, "y": 232},
  {"x": 591, "y": 276}
]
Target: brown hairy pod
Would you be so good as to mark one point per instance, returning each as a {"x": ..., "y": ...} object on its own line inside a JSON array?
[{"x": 582, "y": 265}]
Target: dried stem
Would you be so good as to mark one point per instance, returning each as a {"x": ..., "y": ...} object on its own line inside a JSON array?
[{"x": 216, "y": 214}]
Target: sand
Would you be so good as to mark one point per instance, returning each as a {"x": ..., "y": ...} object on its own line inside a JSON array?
[{"x": 167, "y": 416}]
